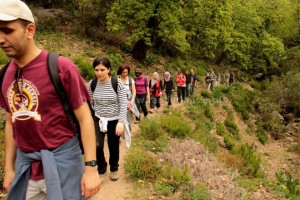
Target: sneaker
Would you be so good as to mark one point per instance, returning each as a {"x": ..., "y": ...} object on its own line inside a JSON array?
[
  {"x": 151, "y": 110},
  {"x": 102, "y": 176},
  {"x": 137, "y": 121},
  {"x": 114, "y": 176}
]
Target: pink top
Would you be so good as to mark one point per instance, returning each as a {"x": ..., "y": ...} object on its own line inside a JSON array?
[{"x": 141, "y": 83}]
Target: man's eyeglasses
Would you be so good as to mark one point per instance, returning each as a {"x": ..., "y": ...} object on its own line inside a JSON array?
[
  {"x": 138, "y": 73},
  {"x": 18, "y": 88}
]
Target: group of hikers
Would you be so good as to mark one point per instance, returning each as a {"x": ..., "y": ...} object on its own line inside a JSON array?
[
  {"x": 43, "y": 155},
  {"x": 213, "y": 79}
]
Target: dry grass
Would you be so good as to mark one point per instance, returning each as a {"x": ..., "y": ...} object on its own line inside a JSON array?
[{"x": 202, "y": 168}]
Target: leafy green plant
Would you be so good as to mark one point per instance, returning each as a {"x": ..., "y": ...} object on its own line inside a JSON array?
[
  {"x": 3, "y": 58},
  {"x": 85, "y": 68},
  {"x": 176, "y": 125},
  {"x": 251, "y": 162},
  {"x": 208, "y": 112},
  {"x": 141, "y": 165},
  {"x": 229, "y": 143},
  {"x": 286, "y": 180},
  {"x": 220, "y": 128},
  {"x": 115, "y": 60},
  {"x": 232, "y": 128},
  {"x": 198, "y": 192},
  {"x": 206, "y": 94},
  {"x": 262, "y": 135},
  {"x": 163, "y": 189},
  {"x": 150, "y": 129}
]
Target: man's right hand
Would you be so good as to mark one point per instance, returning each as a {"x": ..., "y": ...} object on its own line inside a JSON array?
[{"x": 9, "y": 176}]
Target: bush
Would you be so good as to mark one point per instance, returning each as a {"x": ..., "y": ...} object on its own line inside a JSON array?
[
  {"x": 199, "y": 192},
  {"x": 3, "y": 59},
  {"x": 232, "y": 128},
  {"x": 220, "y": 129},
  {"x": 85, "y": 68},
  {"x": 176, "y": 125},
  {"x": 229, "y": 143},
  {"x": 115, "y": 60},
  {"x": 251, "y": 162},
  {"x": 140, "y": 165},
  {"x": 262, "y": 135},
  {"x": 150, "y": 129}
]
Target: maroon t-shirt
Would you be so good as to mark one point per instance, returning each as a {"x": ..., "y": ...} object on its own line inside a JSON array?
[{"x": 38, "y": 118}]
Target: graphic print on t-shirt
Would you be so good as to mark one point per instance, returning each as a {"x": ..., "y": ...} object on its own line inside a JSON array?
[{"x": 23, "y": 104}]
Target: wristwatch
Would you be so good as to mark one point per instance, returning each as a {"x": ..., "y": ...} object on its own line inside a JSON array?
[{"x": 91, "y": 163}]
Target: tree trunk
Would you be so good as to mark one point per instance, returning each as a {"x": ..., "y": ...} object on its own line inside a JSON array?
[{"x": 139, "y": 50}]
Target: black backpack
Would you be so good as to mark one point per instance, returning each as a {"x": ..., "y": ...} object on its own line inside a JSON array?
[{"x": 52, "y": 66}]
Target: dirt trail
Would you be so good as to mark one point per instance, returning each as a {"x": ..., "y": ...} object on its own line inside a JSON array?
[{"x": 120, "y": 189}]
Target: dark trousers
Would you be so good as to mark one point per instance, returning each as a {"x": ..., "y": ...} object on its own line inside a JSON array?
[
  {"x": 154, "y": 101},
  {"x": 180, "y": 93},
  {"x": 169, "y": 94},
  {"x": 140, "y": 101},
  {"x": 113, "y": 147}
]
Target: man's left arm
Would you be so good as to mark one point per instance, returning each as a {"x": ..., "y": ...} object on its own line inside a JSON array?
[{"x": 90, "y": 182}]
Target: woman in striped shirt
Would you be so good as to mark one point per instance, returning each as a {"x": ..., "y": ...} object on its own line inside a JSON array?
[{"x": 110, "y": 108}]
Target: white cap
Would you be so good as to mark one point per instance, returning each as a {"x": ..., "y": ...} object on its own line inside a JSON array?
[{"x": 14, "y": 9}]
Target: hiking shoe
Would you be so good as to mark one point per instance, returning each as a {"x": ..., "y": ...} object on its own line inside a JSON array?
[
  {"x": 114, "y": 176},
  {"x": 102, "y": 176},
  {"x": 137, "y": 121},
  {"x": 151, "y": 110}
]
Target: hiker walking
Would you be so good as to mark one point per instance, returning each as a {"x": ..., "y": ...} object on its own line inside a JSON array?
[
  {"x": 109, "y": 102},
  {"x": 142, "y": 92},
  {"x": 168, "y": 87},
  {"x": 39, "y": 138},
  {"x": 181, "y": 83},
  {"x": 129, "y": 85},
  {"x": 155, "y": 86},
  {"x": 193, "y": 81},
  {"x": 187, "y": 83},
  {"x": 226, "y": 77},
  {"x": 210, "y": 77}
]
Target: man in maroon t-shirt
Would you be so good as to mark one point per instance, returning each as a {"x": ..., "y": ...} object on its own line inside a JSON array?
[{"x": 35, "y": 117}]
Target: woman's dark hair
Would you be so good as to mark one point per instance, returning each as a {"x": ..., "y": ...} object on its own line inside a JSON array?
[
  {"x": 122, "y": 68},
  {"x": 102, "y": 60}
]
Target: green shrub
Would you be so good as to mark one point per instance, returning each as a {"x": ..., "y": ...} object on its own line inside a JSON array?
[
  {"x": 141, "y": 165},
  {"x": 176, "y": 125},
  {"x": 115, "y": 60},
  {"x": 220, "y": 129},
  {"x": 149, "y": 129},
  {"x": 217, "y": 94},
  {"x": 262, "y": 135},
  {"x": 206, "y": 94},
  {"x": 232, "y": 128},
  {"x": 291, "y": 185},
  {"x": 158, "y": 145},
  {"x": 163, "y": 189},
  {"x": 1, "y": 159},
  {"x": 3, "y": 59},
  {"x": 198, "y": 192},
  {"x": 208, "y": 112},
  {"x": 85, "y": 68},
  {"x": 229, "y": 143},
  {"x": 251, "y": 162},
  {"x": 208, "y": 140}
]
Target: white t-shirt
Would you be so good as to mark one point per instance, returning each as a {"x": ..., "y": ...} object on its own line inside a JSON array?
[{"x": 127, "y": 88}]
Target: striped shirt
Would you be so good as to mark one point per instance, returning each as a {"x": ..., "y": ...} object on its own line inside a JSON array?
[{"x": 107, "y": 103}]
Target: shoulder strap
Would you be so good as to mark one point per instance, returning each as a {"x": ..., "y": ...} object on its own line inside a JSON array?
[
  {"x": 52, "y": 60},
  {"x": 114, "y": 83},
  {"x": 2, "y": 73},
  {"x": 93, "y": 84}
]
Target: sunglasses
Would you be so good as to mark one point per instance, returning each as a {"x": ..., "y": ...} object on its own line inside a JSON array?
[
  {"x": 138, "y": 73},
  {"x": 18, "y": 88}
]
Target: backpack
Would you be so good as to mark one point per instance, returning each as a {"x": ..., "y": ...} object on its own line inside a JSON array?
[
  {"x": 52, "y": 66},
  {"x": 114, "y": 83}
]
